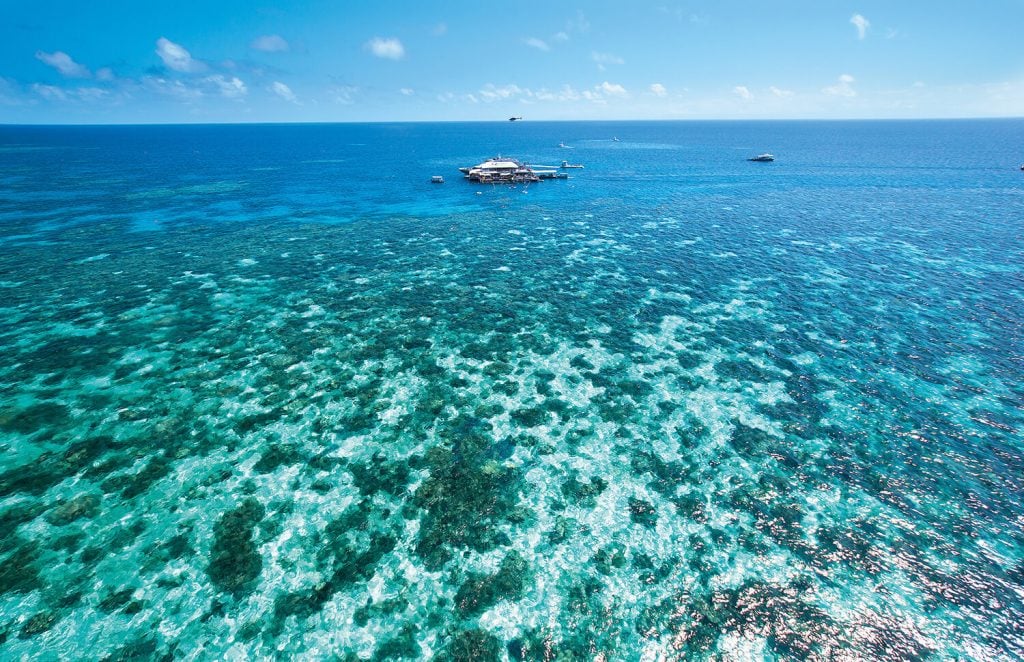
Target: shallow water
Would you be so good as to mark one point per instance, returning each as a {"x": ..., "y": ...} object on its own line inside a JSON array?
[{"x": 267, "y": 391}]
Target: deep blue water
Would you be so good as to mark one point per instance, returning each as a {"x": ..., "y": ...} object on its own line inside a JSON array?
[{"x": 268, "y": 391}]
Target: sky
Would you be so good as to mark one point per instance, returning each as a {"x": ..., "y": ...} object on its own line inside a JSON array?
[{"x": 155, "y": 61}]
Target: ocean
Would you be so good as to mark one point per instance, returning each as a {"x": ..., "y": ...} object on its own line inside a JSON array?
[{"x": 268, "y": 392}]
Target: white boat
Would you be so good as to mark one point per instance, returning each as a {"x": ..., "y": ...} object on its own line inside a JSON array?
[
  {"x": 762, "y": 158},
  {"x": 614, "y": 139},
  {"x": 566, "y": 164},
  {"x": 564, "y": 146},
  {"x": 437, "y": 179}
]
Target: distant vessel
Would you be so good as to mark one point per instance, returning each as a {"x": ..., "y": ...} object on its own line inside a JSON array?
[
  {"x": 762, "y": 158},
  {"x": 614, "y": 139},
  {"x": 437, "y": 179},
  {"x": 566, "y": 164},
  {"x": 564, "y": 146},
  {"x": 514, "y": 119},
  {"x": 503, "y": 170}
]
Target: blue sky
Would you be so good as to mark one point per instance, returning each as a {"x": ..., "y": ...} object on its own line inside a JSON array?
[{"x": 235, "y": 61}]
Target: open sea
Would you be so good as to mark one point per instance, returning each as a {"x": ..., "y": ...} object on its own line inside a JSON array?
[{"x": 267, "y": 392}]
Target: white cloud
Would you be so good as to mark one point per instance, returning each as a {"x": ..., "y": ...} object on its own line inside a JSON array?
[
  {"x": 612, "y": 89},
  {"x": 862, "y": 24},
  {"x": 63, "y": 63},
  {"x": 780, "y": 92},
  {"x": 270, "y": 43},
  {"x": 539, "y": 44},
  {"x": 105, "y": 74},
  {"x": 283, "y": 91},
  {"x": 176, "y": 57},
  {"x": 389, "y": 49},
  {"x": 440, "y": 30},
  {"x": 658, "y": 90},
  {"x": 560, "y": 36},
  {"x": 230, "y": 88},
  {"x": 843, "y": 88},
  {"x": 602, "y": 59},
  {"x": 742, "y": 92},
  {"x": 408, "y": 92}
]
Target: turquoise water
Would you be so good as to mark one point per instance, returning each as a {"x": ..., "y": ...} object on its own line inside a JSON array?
[{"x": 266, "y": 391}]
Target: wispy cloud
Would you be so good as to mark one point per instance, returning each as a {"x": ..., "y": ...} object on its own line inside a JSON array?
[
  {"x": 491, "y": 92},
  {"x": 283, "y": 91},
  {"x": 91, "y": 93},
  {"x": 344, "y": 94},
  {"x": 578, "y": 24},
  {"x": 842, "y": 88},
  {"x": 602, "y": 59},
  {"x": 10, "y": 95},
  {"x": 742, "y": 92},
  {"x": 388, "y": 48},
  {"x": 862, "y": 24},
  {"x": 539, "y": 44},
  {"x": 172, "y": 88},
  {"x": 229, "y": 88},
  {"x": 407, "y": 91},
  {"x": 105, "y": 74},
  {"x": 270, "y": 43},
  {"x": 49, "y": 92},
  {"x": 780, "y": 92},
  {"x": 176, "y": 57},
  {"x": 560, "y": 36},
  {"x": 63, "y": 63},
  {"x": 658, "y": 90},
  {"x": 440, "y": 30}
]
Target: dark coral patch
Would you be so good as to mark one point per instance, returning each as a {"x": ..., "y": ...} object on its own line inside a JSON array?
[
  {"x": 471, "y": 646},
  {"x": 234, "y": 560},
  {"x": 18, "y": 572},
  {"x": 38, "y": 624},
  {"x": 85, "y": 505},
  {"x": 643, "y": 513},
  {"x": 480, "y": 592},
  {"x": 275, "y": 456}
]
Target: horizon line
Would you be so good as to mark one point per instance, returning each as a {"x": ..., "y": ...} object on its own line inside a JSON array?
[{"x": 505, "y": 120}]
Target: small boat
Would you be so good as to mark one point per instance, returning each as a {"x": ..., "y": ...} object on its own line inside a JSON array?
[
  {"x": 564, "y": 146},
  {"x": 437, "y": 179},
  {"x": 614, "y": 139},
  {"x": 566, "y": 164},
  {"x": 762, "y": 158}
]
